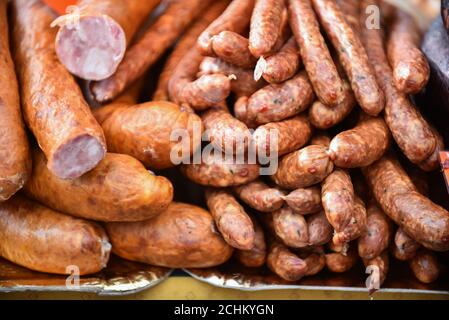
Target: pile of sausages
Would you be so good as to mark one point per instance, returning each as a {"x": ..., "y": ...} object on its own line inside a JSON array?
[{"x": 334, "y": 89}]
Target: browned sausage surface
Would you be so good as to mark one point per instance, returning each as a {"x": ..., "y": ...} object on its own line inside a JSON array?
[
  {"x": 256, "y": 256},
  {"x": 260, "y": 196},
  {"x": 425, "y": 266},
  {"x": 53, "y": 105},
  {"x": 355, "y": 228},
  {"x": 339, "y": 263},
  {"x": 320, "y": 230},
  {"x": 233, "y": 48},
  {"x": 305, "y": 200},
  {"x": 284, "y": 263},
  {"x": 404, "y": 248},
  {"x": 291, "y": 228},
  {"x": 41, "y": 239}
]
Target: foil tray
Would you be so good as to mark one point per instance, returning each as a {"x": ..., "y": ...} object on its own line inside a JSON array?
[{"x": 120, "y": 277}]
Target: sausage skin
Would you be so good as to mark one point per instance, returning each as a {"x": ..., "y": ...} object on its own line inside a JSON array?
[
  {"x": 284, "y": 263},
  {"x": 425, "y": 266},
  {"x": 339, "y": 263},
  {"x": 404, "y": 248},
  {"x": 261, "y": 197},
  {"x": 305, "y": 200},
  {"x": 233, "y": 48},
  {"x": 319, "y": 229},
  {"x": 257, "y": 255},
  {"x": 291, "y": 228}
]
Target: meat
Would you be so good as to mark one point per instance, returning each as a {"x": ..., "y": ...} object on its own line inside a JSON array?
[
  {"x": 404, "y": 248},
  {"x": 260, "y": 196},
  {"x": 256, "y": 256},
  {"x": 291, "y": 228},
  {"x": 305, "y": 200},
  {"x": 284, "y": 263}
]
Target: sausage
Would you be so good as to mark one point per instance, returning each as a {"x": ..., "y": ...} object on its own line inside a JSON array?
[
  {"x": 351, "y": 11},
  {"x": 242, "y": 84},
  {"x": 404, "y": 248},
  {"x": 316, "y": 56},
  {"x": 418, "y": 216},
  {"x": 291, "y": 228},
  {"x": 433, "y": 162},
  {"x": 265, "y": 27},
  {"x": 321, "y": 138},
  {"x": 361, "y": 146},
  {"x": 216, "y": 171},
  {"x": 92, "y": 40},
  {"x": 305, "y": 200},
  {"x": 235, "y": 18},
  {"x": 324, "y": 117},
  {"x": 187, "y": 41},
  {"x": 15, "y": 165},
  {"x": 352, "y": 56},
  {"x": 241, "y": 111},
  {"x": 339, "y": 263},
  {"x": 303, "y": 168},
  {"x": 282, "y": 137},
  {"x": 44, "y": 240},
  {"x": 256, "y": 256},
  {"x": 225, "y": 132},
  {"x": 53, "y": 106},
  {"x": 282, "y": 65},
  {"x": 233, "y": 48},
  {"x": 231, "y": 219},
  {"x": 148, "y": 48},
  {"x": 315, "y": 263},
  {"x": 277, "y": 102},
  {"x": 377, "y": 236},
  {"x": 183, "y": 236},
  {"x": 409, "y": 129},
  {"x": 144, "y": 131},
  {"x": 382, "y": 265},
  {"x": 355, "y": 228},
  {"x": 319, "y": 229},
  {"x": 118, "y": 189},
  {"x": 425, "y": 266},
  {"x": 284, "y": 263},
  {"x": 337, "y": 196},
  {"x": 411, "y": 70},
  {"x": 261, "y": 197}
]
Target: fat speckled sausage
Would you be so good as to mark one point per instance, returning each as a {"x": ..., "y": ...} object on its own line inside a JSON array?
[
  {"x": 183, "y": 236},
  {"x": 15, "y": 163},
  {"x": 411, "y": 69},
  {"x": 377, "y": 236},
  {"x": 215, "y": 171},
  {"x": 417, "y": 215},
  {"x": 92, "y": 40},
  {"x": 235, "y": 18},
  {"x": 316, "y": 56},
  {"x": 291, "y": 228},
  {"x": 257, "y": 255},
  {"x": 303, "y": 168},
  {"x": 231, "y": 219},
  {"x": 320, "y": 230},
  {"x": 352, "y": 56},
  {"x": 305, "y": 200},
  {"x": 409, "y": 129},
  {"x": 145, "y": 130},
  {"x": 361, "y": 146},
  {"x": 404, "y": 248},
  {"x": 53, "y": 105},
  {"x": 260, "y": 196},
  {"x": 118, "y": 189},
  {"x": 282, "y": 137},
  {"x": 41, "y": 239},
  {"x": 284, "y": 263},
  {"x": 339, "y": 263},
  {"x": 425, "y": 266},
  {"x": 233, "y": 48},
  {"x": 337, "y": 195}
]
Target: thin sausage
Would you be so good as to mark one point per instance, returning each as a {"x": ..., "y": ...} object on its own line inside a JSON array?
[
  {"x": 260, "y": 196},
  {"x": 404, "y": 248},
  {"x": 41, "y": 239},
  {"x": 257, "y": 255},
  {"x": 53, "y": 105},
  {"x": 305, "y": 200},
  {"x": 291, "y": 228}
]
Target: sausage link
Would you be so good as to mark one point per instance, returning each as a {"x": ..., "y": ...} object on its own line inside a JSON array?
[
  {"x": 425, "y": 266},
  {"x": 44, "y": 240},
  {"x": 233, "y": 48},
  {"x": 94, "y": 48},
  {"x": 231, "y": 219},
  {"x": 316, "y": 56},
  {"x": 380, "y": 263},
  {"x": 321, "y": 138},
  {"x": 404, "y": 248},
  {"x": 352, "y": 56},
  {"x": 339, "y": 263},
  {"x": 53, "y": 105},
  {"x": 305, "y": 200},
  {"x": 319, "y": 229},
  {"x": 417, "y": 215},
  {"x": 377, "y": 237},
  {"x": 149, "y": 48},
  {"x": 118, "y": 189},
  {"x": 355, "y": 228},
  {"x": 261, "y": 197},
  {"x": 15, "y": 165},
  {"x": 315, "y": 263},
  {"x": 235, "y": 18},
  {"x": 351, "y": 11},
  {"x": 241, "y": 111},
  {"x": 411, "y": 70},
  {"x": 291, "y": 228},
  {"x": 362, "y": 145},
  {"x": 256, "y": 256},
  {"x": 303, "y": 168},
  {"x": 433, "y": 162},
  {"x": 284, "y": 263},
  {"x": 265, "y": 26},
  {"x": 216, "y": 171},
  {"x": 187, "y": 41},
  {"x": 282, "y": 137},
  {"x": 337, "y": 195},
  {"x": 183, "y": 236},
  {"x": 409, "y": 129}
]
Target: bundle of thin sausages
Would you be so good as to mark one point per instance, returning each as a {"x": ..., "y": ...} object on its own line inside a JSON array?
[{"x": 331, "y": 78}]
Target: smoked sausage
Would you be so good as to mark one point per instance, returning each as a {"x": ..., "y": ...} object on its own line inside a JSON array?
[
  {"x": 260, "y": 196},
  {"x": 305, "y": 200}
]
